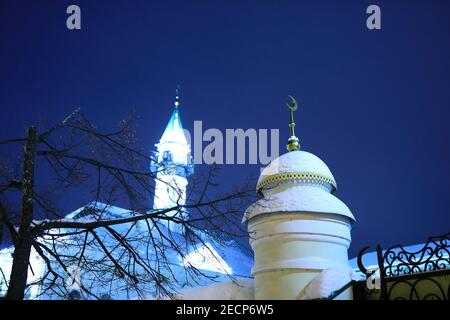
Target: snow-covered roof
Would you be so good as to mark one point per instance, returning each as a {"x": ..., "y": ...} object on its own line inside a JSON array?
[
  {"x": 237, "y": 289},
  {"x": 237, "y": 258},
  {"x": 304, "y": 198},
  {"x": 215, "y": 254},
  {"x": 174, "y": 132},
  {"x": 297, "y": 181}
]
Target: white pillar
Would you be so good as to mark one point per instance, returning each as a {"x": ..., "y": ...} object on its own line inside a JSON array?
[{"x": 292, "y": 248}]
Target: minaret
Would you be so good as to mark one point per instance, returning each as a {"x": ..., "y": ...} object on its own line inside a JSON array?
[
  {"x": 172, "y": 165},
  {"x": 297, "y": 228}
]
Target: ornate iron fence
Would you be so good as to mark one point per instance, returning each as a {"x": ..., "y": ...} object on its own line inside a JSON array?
[{"x": 412, "y": 275}]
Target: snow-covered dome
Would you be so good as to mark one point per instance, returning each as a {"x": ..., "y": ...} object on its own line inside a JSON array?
[
  {"x": 297, "y": 181},
  {"x": 300, "y": 166}
]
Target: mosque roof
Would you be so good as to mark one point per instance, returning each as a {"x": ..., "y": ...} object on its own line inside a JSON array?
[
  {"x": 174, "y": 132},
  {"x": 296, "y": 165},
  {"x": 297, "y": 181},
  {"x": 237, "y": 258},
  {"x": 304, "y": 198},
  {"x": 216, "y": 255}
]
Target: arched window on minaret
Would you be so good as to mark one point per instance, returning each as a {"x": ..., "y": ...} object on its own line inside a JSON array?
[{"x": 167, "y": 156}]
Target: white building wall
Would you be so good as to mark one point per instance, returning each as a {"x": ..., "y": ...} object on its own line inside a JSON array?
[{"x": 292, "y": 248}]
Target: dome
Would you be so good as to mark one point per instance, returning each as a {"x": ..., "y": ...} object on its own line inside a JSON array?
[
  {"x": 297, "y": 181},
  {"x": 296, "y": 166},
  {"x": 300, "y": 198}
]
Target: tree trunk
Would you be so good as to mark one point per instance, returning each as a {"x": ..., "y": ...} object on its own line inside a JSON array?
[
  {"x": 24, "y": 240},
  {"x": 2, "y": 221}
]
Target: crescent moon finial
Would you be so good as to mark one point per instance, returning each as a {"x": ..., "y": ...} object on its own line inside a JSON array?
[
  {"x": 294, "y": 105},
  {"x": 293, "y": 142}
]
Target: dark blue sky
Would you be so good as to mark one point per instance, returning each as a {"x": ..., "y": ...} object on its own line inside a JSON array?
[{"x": 374, "y": 105}]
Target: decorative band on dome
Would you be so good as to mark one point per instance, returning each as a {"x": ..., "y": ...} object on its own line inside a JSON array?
[{"x": 289, "y": 176}]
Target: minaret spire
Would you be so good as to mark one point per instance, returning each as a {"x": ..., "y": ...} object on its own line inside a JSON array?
[
  {"x": 293, "y": 142},
  {"x": 177, "y": 96}
]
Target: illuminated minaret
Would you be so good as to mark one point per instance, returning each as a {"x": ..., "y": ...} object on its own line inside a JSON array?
[{"x": 172, "y": 165}]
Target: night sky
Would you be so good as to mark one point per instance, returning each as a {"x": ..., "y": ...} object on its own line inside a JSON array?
[{"x": 374, "y": 105}]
